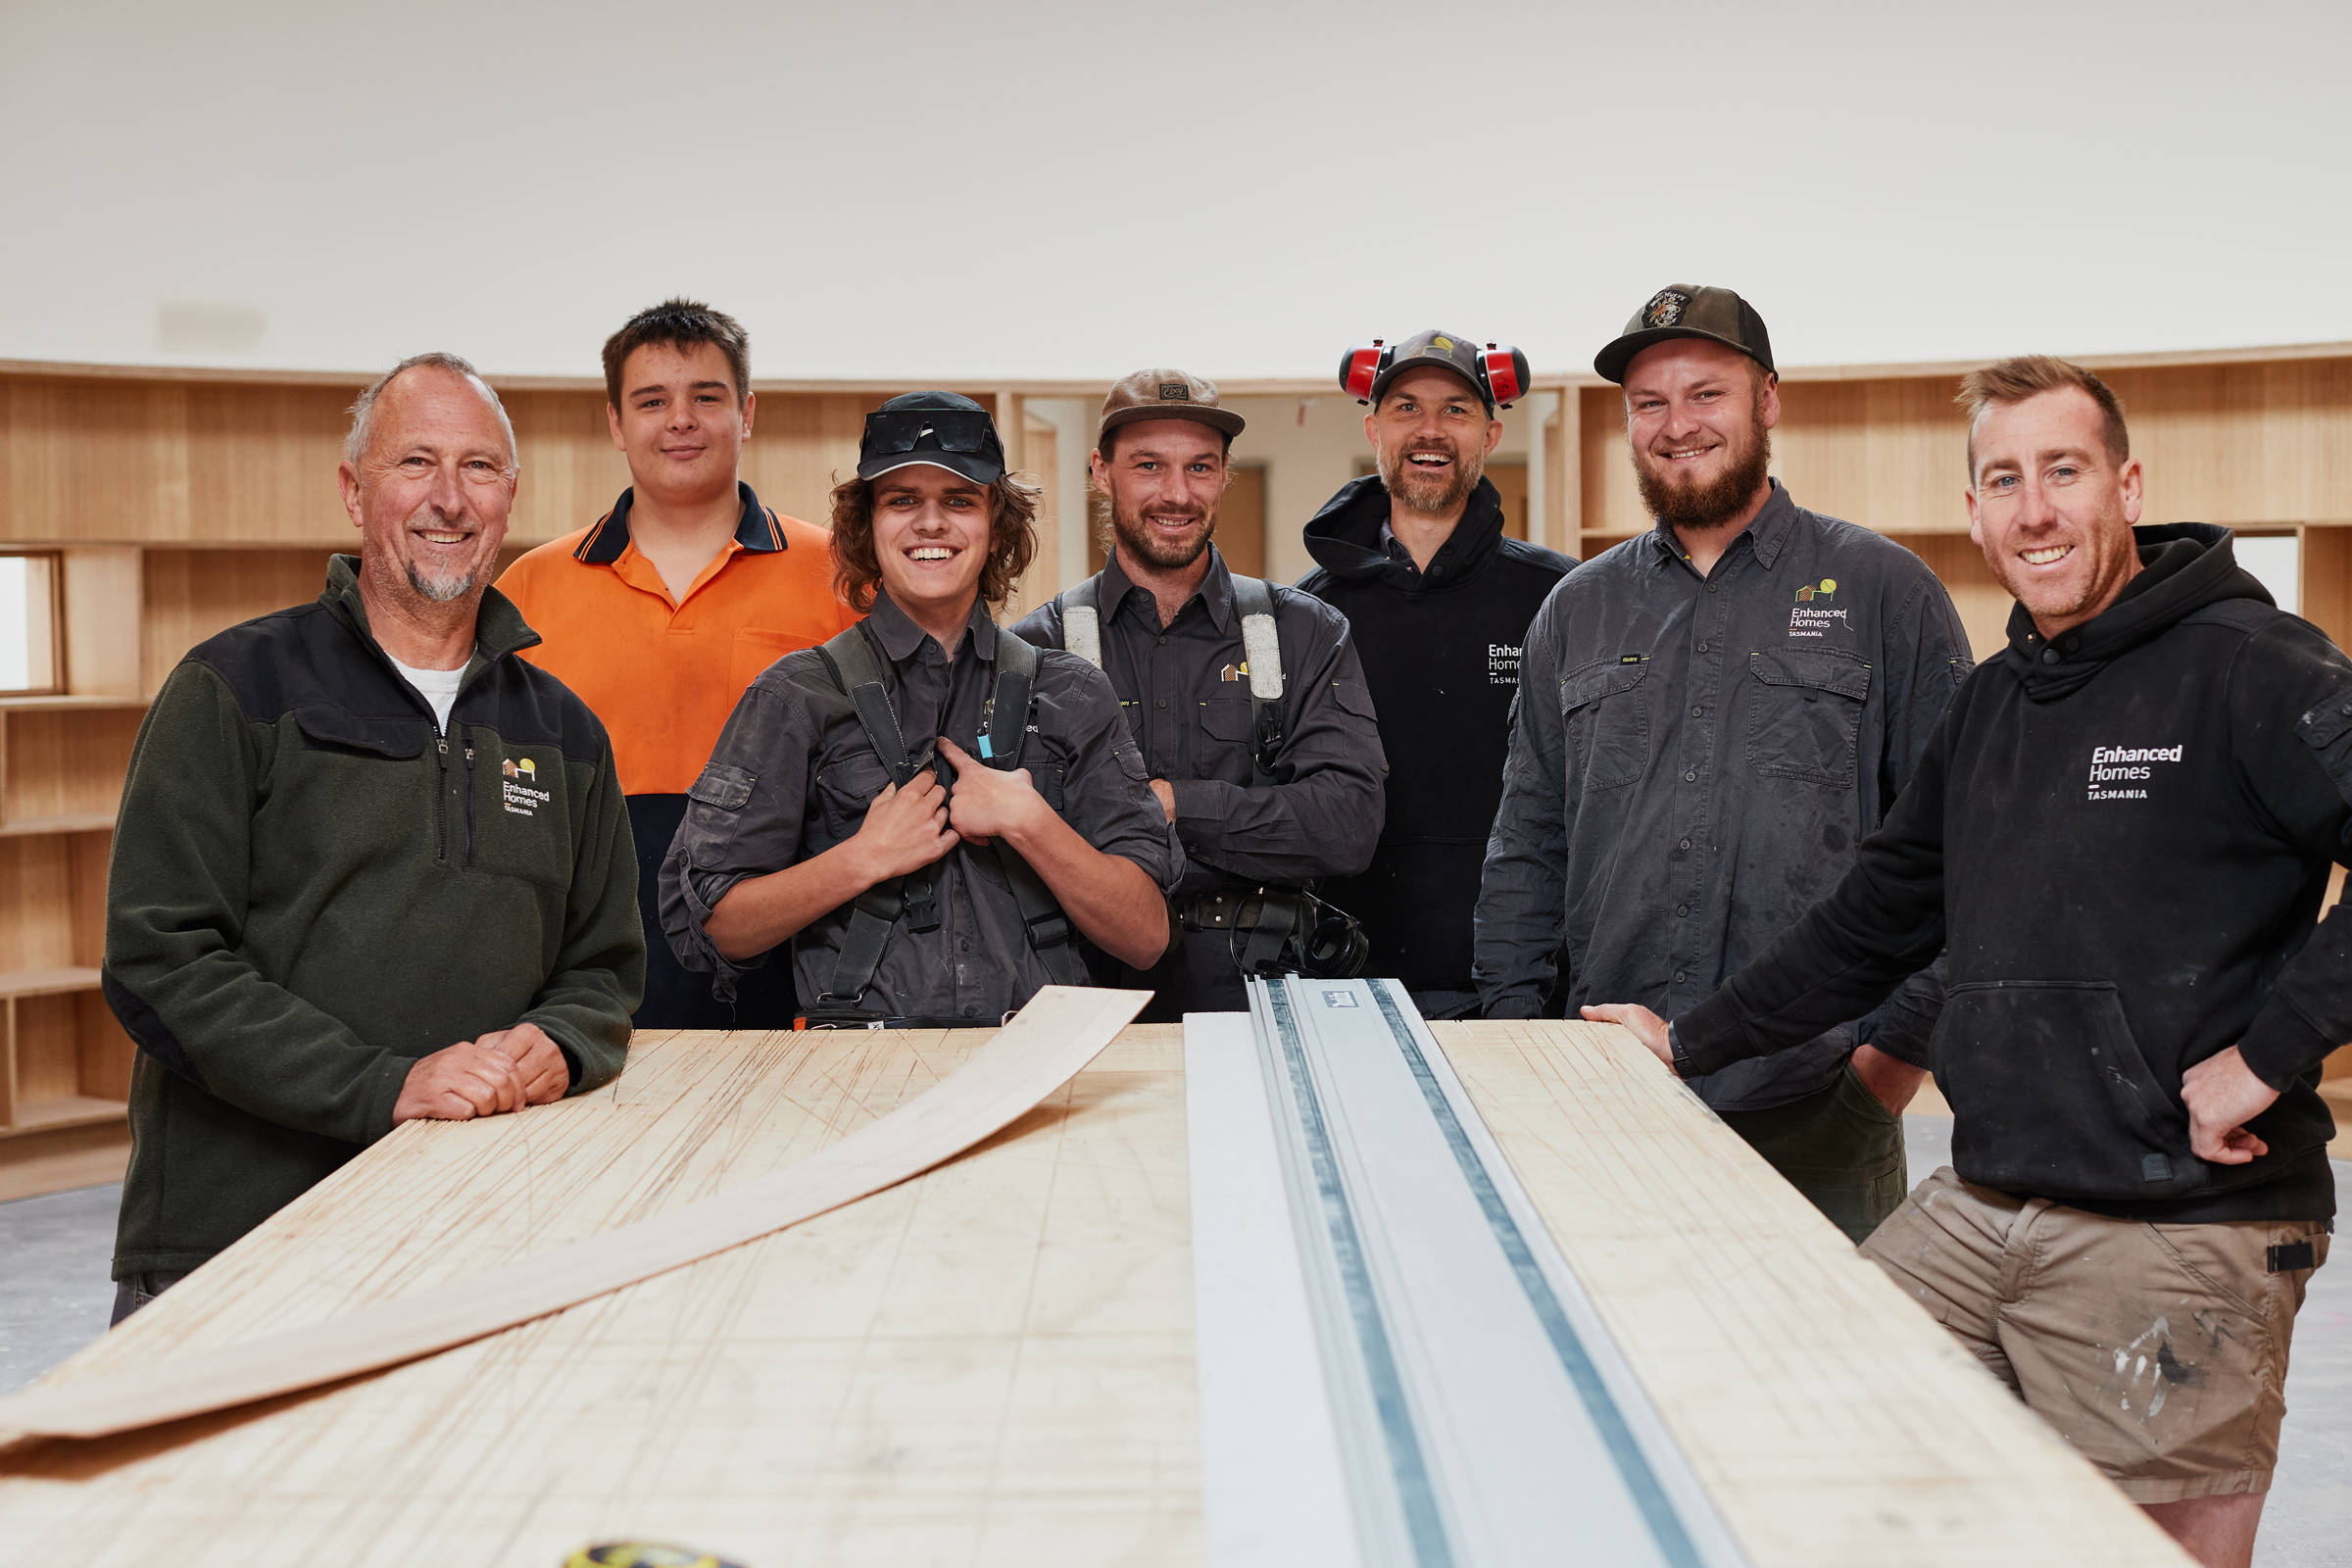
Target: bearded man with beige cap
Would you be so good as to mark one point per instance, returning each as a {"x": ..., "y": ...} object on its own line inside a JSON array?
[{"x": 1248, "y": 700}]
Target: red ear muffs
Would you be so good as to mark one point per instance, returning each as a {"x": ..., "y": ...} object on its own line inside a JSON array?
[
  {"x": 1358, "y": 366},
  {"x": 1505, "y": 370}
]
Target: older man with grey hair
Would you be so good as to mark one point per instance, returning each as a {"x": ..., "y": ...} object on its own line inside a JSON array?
[{"x": 371, "y": 867}]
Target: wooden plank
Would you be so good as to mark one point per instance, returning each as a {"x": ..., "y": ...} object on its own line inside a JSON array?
[
  {"x": 46, "y": 982},
  {"x": 995, "y": 1363},
  {"x": 1831, "y": 1421},
  {"x": 102, "y": 621},
  {"x": 1037, "y": 1052}
]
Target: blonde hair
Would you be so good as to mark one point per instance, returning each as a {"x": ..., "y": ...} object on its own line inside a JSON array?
[{"x": 2027, "y": 375}]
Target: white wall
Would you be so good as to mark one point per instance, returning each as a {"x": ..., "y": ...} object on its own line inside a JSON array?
[{"x": 1054, "y": 189}]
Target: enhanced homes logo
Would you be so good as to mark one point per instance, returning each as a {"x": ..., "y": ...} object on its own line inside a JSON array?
[
  {"x": 2115, "y": 769},
  {"x": 517, "y": 796},
  {"x": 1812, "y": 616}
]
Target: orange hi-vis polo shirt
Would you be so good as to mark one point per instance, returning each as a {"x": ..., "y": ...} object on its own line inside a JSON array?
[{"x": 664, "y": 676}]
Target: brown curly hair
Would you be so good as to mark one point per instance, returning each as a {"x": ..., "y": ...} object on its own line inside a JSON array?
[{"x": 1012, "y": 502}]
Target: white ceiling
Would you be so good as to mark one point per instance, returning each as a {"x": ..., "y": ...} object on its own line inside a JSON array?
[{"x": 1044, "y": 190}]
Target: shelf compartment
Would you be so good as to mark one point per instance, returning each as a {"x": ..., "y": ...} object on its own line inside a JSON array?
[
  {"x": 62, "y": 765},
  {"x": 71, "y": 1059}
]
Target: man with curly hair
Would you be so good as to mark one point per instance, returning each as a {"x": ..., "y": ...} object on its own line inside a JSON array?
[{"x": 929, "y": 810}]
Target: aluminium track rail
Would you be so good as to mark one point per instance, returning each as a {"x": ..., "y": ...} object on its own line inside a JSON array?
[{"x": 1397, "y": 1366}]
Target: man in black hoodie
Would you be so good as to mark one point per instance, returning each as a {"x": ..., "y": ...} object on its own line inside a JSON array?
[
  {"x": 2121, "y": 835},
  {"x": 1437, "y": 602}
]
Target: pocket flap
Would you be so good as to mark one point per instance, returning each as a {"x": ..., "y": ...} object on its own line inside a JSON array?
[
  {"x": 2325, "y": 722},
  {"x": 385, "y": 737},
  {"x": 1226, "y": 718},
  {"x": 1593, "y": 682},
  {"x": 1821, "y": 668},
  {"x": 723, "y": 786}
]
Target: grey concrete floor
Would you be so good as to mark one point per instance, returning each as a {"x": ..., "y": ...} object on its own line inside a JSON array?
[{"x": 55, "y": 1298}]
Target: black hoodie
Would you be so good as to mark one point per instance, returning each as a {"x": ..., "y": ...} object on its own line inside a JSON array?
[
  {"x": 1441, "y": 653},
  {"x": 2121, "y": 839}
]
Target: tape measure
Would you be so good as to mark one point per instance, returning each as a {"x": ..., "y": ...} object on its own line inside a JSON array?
[{"x": 642, "y": 1554}]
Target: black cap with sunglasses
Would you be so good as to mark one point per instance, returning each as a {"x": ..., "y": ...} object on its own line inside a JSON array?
[{"x": 944, "y": 429}]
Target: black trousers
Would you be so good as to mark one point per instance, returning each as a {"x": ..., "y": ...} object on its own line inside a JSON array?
[{"x": 676, "y": 997}]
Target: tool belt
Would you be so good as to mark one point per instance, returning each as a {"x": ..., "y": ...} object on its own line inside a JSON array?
[
  {"x": 825, "y": 1017},
  {"x": 1278, "y": 930}
]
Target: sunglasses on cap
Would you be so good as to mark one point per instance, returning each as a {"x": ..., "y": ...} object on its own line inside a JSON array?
[{"x": 891, "y": 431}]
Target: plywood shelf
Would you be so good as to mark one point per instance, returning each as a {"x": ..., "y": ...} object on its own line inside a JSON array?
[
  {"x": 75, "y": 822},
  {"x": 68, "y": 702},
  {"x": 65, "y": 1110},
  {"x": 58, "y": 981}
]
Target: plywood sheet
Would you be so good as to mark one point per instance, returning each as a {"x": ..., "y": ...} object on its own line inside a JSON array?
[{"x": 995, "y": 1362}]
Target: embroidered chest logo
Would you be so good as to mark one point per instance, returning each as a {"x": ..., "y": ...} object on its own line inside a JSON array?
[
  {"x": 515, "y": 782},
  {"x": 2115, "y": 769},
  {"x": 1502, "y": 664},
  {"x": 1813, "y": 616}
]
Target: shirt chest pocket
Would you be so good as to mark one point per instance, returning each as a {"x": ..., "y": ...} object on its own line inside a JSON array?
[
  {"x": 1228, "y": 726},
  {"x": 1804, "y": 714},
  {"x": 521, "y": 823},
  {"x": 846, "y": 787},
  {"x": 1604, "y": 715}
]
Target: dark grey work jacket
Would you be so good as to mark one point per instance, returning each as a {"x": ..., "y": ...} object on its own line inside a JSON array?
[
  {"x": 794, "y": 773},
  {"x": 1694, "y": 761},
  {"x": 1186, "y": 700}
]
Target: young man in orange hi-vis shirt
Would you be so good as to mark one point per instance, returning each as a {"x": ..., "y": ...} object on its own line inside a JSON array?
[{"x": 661, "y": 612}]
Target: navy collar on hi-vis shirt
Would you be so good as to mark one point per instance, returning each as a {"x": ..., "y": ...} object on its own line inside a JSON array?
[{"x": 759, "y": 529}]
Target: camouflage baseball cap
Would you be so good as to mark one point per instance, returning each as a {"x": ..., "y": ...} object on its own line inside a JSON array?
[{"x": 1687, "y": 310}]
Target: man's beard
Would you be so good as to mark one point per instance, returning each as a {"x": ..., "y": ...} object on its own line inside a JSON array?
[
  {"x": 1709, "y": 505},
  {"x": 440, "y": 591},
  {"x": 1151, "y": 548},
  {"x": 1432, "y": 494}
]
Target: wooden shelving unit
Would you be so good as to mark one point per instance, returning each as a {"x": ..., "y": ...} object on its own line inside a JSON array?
[{"x": 183, "y": 502}]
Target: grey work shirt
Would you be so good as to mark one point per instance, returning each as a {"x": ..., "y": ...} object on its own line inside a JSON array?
[
  {"x": 1692, "y": 763},
  {"x": 794, "y": 773},
  {"x": 1186, "y": 692}
]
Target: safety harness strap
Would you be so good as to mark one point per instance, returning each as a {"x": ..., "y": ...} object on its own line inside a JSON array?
[
  {"x": 857, "y": 668},
  {"x": 1261, "y": 655}
]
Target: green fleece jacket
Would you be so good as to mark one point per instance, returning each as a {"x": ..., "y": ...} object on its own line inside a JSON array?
[{"x": 312, "y": 887}]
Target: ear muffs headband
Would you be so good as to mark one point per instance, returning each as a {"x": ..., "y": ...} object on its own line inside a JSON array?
[{"x": 1501, "y": 371}]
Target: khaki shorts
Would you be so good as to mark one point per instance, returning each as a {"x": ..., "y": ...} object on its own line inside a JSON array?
[{"x": 2159, "y": 1351}]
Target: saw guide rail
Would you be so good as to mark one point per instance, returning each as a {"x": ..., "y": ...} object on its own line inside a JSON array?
[
  {"x": 1477, "y": 1409},
  {"x": 997, "y": 1361}
]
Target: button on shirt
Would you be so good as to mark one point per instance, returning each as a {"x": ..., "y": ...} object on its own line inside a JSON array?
[
  {"x": 794, "y": 773},
  {"x": 1692, "y": 763}
]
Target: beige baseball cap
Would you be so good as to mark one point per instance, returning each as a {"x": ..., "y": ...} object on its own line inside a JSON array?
[{"x": 1165, "y": 395}]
